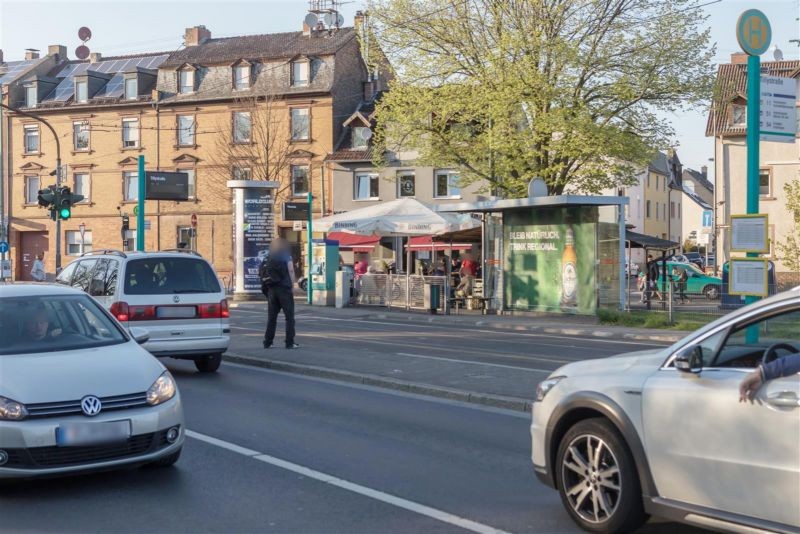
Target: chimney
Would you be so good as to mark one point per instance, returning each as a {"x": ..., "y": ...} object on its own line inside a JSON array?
[
  {"x": 57, "y": 51},
  {"x": 196, "y": 35},
  {"x": 31, "y": 53},
  {"x": 704, "y": 171},
  {"x": 739, "y": 58},
  {"x": 95, "y": 57},
  {"x": 306, "y": 29},
  {"x": 358, "y": 21},
  {"x": 369, "y": 90}
]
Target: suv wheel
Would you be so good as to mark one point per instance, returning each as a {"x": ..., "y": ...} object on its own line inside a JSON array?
[
  {"x": 711, "y": 292},
  {"x": 597, "y": 478},
  {"x": 208, "y": 364}
]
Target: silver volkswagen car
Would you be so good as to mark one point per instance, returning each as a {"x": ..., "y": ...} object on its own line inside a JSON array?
[{"x": 77, "y": 392}]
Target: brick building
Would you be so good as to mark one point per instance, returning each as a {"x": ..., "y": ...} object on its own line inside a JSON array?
[{"x": 248, "y": 107}]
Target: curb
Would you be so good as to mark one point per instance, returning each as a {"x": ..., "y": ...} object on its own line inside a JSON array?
[{"x": 483, "y": 399}]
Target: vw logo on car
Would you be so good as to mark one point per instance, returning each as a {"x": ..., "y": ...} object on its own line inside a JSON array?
[{"x": 91, "y": 405}]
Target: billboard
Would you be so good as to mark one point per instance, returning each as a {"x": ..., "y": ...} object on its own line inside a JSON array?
[
  {"x": 166, "y": 185},
  {"x": 551, "y": 260},
  {"x": 257, "y": 232}
]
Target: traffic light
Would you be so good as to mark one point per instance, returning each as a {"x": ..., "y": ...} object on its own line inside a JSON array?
[
  {"x": 64, "y": 201},
  {"x": 47, "y": 197}
]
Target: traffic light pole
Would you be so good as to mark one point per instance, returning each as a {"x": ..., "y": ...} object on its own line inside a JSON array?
[{"x": 58, "y": 172}]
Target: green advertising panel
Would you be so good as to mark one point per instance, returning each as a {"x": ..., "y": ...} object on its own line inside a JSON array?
[{"x": 550, "y": 259}]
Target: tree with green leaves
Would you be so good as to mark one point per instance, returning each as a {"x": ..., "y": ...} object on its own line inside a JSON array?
[
  {"x": 576, "y": 92},
  {"x": 789, "y": 248}
]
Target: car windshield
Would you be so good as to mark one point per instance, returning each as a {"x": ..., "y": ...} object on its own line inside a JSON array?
[
  {"x": 168, "y": 275},
  {"x": 50, "y": 323}
]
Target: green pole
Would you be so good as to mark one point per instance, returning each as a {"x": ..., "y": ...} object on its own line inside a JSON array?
[
  {"x": 309, "y": 285},
  {"x": 753, "y": 126},
  {"x": 140, "y": 215}
]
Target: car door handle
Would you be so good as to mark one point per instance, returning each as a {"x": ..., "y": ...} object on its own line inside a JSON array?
[{"x": 785, "y": 399}]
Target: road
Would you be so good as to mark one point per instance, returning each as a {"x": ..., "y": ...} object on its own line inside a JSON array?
[{"x": 273, "y": 452}]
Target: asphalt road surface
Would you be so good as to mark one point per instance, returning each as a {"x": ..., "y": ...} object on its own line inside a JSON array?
[{"x": 271, "y": 452}]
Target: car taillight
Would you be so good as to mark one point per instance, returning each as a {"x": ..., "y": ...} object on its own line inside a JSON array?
[
  {"x": 213, "y": 311},
  {"x": 224, "y": 312},
  {"x": 121, "y": 311}
]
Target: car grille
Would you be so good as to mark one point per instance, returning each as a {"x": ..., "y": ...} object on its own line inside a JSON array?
[
  {"x": 57, "y": 409},
  {"x": 47, "y": 457}
]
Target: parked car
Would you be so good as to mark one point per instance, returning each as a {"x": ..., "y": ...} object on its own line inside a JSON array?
[
  {"x": 661, "y": 432},
  {"x": 77, "y": 391},
  {"x": 631, "y": 269},
  {"x": 174, "y": 294},
  {"x": 698, "y": 282},
  {"x": 687, "y": 257}
]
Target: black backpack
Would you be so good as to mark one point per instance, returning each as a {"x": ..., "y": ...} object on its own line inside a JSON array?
[{"x": 272, "y": 272}]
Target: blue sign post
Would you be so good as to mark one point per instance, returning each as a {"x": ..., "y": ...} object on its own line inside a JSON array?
[
  {"x": 3, "y": 247},
  {"x": 708, "y": 217}
]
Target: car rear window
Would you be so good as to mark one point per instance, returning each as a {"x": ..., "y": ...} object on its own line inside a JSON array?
[{"x": 166, "y": 276}]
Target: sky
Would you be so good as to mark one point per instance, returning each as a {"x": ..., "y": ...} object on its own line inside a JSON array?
[{"x": 124, "y": 27}]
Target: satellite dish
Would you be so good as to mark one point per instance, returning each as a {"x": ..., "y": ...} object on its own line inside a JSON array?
[
  {"x": 537, "y": 188},
  {"x": 310, "y": 20},
  {"x": 339, "y": 20},
  {"x": 84, "y": 34},
  {"x": 82, "y": 52},
  {"x": 777, "y": 53},
  {"x": 328, "y": 18},
  {"x": 368, "y": 134}
]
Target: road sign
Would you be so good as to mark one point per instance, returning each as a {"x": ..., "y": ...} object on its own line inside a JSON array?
[
  {"x": 297, "y": 226},
  {"x": 194, "y": 220},
  {"x": 708, "y": 217},
  {"x": 778, "y": 109},
  {"x": 703, "y": 239},
  {"x": 5, "y": 269},
  {"x": 3, "y": 247},
  {"x": 753, "y": 32}
]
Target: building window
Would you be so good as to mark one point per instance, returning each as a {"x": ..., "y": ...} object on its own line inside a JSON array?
[
  {"x": 366, "y": 187},
  {"x": 130, "y": 184},
  {"x": 80, "y": 135},
  {"x": 82, "y": 185},
  {"x": 185, "y": 81},
  {"x": 647, "y": 209},
  {"x": 300, "y": 124},
  {"x": 679, "y": 210},
  {"x": 130, "y": 133},
  {"x": 657, "y": 179},
  {"x": 184, "y": 237},
  {"x": 242, "y": 126},
  {"x": 739, "y": 115},
  {"x": 300, "y": 73},
  {"x": 77, "y": 246},
  {"x": 446, "y": 185},
  {"x": 672, "y": 209},
  {"x": 31, "y": 96},
  {"x": 300, "y": 180},
  {"x": 658, "y": 210},
  {"x": 361, "y": 136},
  {"x": 242, "y": 173},
  {"x": 764, "y": 183},
  {"x": 191, "y": 181},
  {"x": 648, "y": 181},
  {"x": 131, "y": 89},
  {"x": 81, "y": 91},
  {"x": 32, "y": 186},
  {"x": 406, "y": 184},
  {"x": 186, "y": 127},
  {"x": 241, "y": 77},
  {"x": 31, "y": 143}
]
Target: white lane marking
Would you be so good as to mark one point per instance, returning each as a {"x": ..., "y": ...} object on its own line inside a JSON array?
[
  {"x": 515, "y": 367},
  {"x": 576, "y": 337},
  {"x": 387, "y": 498}
]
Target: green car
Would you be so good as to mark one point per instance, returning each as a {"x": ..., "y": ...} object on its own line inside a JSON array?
[{"x": 697, "y": 283}]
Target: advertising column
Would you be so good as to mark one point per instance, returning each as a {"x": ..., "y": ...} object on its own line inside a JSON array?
[{"x": 253, "y": 231}]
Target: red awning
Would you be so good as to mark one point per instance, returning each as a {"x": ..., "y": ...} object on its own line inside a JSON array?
[
  {"x": 427, "y": 243},
  {"x": 354, "y": 242}
]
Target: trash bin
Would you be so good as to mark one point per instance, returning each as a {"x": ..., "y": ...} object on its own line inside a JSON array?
[{"x": 431, "y": 295}]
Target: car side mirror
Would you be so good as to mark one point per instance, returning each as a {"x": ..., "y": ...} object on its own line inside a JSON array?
[
  {"x": 140, "y": 335},
  {"x": 690, "y": 360}
]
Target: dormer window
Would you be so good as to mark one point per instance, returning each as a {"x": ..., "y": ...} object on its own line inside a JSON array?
[
  {"x": 241, "y": 77},
  {"x": 739, "y": 115},
  {"x": 300, "y": 71},
  {"x": 30, "y": 96},
  {"x": 186, "y": 81},
  {"x": 81, "y": 91},
  {"x": 131, "y": 88},
  {"x": 361, "y": 136}
]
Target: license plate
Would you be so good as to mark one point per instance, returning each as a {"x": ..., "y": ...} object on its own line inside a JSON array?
[
  {"x": 176, "y": 312},
  {"x": 80, "y": 434}
]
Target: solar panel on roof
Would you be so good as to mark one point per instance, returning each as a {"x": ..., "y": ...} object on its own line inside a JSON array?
[
  {"x": 113, "y": 88},
  {"x": 12, "y": 69},
  {"x": 64, "y": 90}
]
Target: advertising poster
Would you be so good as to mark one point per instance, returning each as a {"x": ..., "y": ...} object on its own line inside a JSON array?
[
  {"x": 550, "y": 260},
  {"x": 257, "y": 233}
]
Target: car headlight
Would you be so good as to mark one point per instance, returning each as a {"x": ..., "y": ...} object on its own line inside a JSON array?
[
  {"x": 162, "y": 390},
  {"x": 11, "y": 410},
  {"x": 546, "y": 385}
]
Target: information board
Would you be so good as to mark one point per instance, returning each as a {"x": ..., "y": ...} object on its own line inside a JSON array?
[
  {"x": 257, "y": 233},
  {"x": 295, "y": 211},
  {"x": 748, "y": 276},
  {"x": 166, "y": 185},
  {"x": 749, "y": 233},
  {"x": 778, "y": 122}
]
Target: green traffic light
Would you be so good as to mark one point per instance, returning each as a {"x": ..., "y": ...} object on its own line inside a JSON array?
[{"x": 64, "y": 213}]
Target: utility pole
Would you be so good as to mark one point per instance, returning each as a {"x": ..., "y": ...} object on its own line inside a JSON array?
[{"x": 57, "y": 172}]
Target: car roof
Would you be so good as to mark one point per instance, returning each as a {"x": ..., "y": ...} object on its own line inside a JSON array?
[
  {"x": 138, "y": 255},
  {"x": 36, "y": 289}
]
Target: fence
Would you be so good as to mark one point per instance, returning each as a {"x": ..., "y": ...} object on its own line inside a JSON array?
[{"x": 390, "y": 290}]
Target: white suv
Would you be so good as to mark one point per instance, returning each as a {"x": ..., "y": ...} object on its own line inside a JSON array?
[
  {"x": 662, "y": 432},
  {"x": 175, "y": 295}
]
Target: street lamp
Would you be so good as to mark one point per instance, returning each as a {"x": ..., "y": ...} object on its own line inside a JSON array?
[{"x": 82, "y": 229}]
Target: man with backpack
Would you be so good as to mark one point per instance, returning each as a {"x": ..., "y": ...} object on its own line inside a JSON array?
[{"x": 277, "y": 283}]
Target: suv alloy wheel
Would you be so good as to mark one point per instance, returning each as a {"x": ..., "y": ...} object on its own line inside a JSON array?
[
  {"x": 597, "y": 478},
  {"x": 208, "y": 364}
]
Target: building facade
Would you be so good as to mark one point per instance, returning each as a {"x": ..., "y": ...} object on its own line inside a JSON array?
[
  {"x": 697, "y": 197},
  {"x": 779, "y": 162},
  {"x": 252, "y": 107}
]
